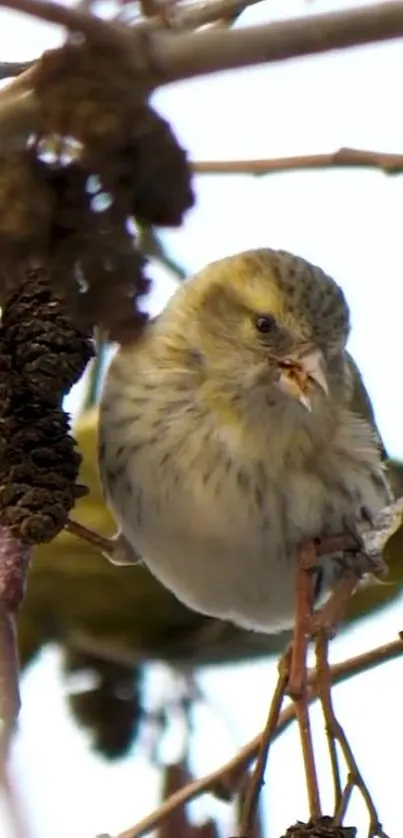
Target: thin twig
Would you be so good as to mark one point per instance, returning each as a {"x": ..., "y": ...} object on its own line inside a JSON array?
[
  {"x": 333, "y": 611},
  {"x": 308, "y": 755},
  {"x": 257, "y": 777},
  {"x": 324, "y": 686},
  {"x": 100, "y": 543},
  {"x": 356, "y": 158},
  {"x": 240, "y": 763},
  {"x": 150, "y": 243},
  {"x": 337, "y": 732},
  {"x": 9, "y": 684},
  {"x": 94, "y": 375},
  {"x": 344, "y": 801}
]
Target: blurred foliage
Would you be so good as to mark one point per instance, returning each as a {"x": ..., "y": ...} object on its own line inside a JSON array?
[{"x": 110, "y": 620}]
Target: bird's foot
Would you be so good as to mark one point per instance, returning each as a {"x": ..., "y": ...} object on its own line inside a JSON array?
[{"x": 352, "y": 567}]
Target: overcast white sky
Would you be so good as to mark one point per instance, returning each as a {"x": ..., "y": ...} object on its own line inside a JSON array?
[{"x": 350, "y": 224}]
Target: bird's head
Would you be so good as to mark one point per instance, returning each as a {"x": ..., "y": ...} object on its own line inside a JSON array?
[{"x": 268, "y": 321}]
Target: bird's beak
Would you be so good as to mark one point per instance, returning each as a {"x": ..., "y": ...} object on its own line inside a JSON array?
[{"x": 300, "y": 372}]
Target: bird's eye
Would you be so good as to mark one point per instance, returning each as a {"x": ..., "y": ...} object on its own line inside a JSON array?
[{"x": 265, "y": 323}]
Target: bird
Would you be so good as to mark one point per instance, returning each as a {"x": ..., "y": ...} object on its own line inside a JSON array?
[{"x": 227, "y": 438}]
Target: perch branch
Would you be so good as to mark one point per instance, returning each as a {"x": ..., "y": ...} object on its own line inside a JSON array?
[
  {"x": 239, "y": 764},
  {"x": 357, "y": 158}
]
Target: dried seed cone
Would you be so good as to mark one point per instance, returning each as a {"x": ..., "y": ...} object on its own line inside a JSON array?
[
  {"x": 42, "y": 354},
  {"x": 26, "y": 202},
  {"x": 113, "y": 709},
  {"x": 150, "y": 174},
  {"x": 48, "y": 351},
  {"x": 321, "y": 828}
]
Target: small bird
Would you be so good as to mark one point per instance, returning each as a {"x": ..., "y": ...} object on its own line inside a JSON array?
[{"x": 227, "y": 438}]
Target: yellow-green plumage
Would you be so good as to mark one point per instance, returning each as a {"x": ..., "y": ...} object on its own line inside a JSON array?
[{"x": 213, "y": 470}]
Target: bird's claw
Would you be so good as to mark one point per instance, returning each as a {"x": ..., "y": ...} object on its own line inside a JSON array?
[{"x": 350, "y": 525}]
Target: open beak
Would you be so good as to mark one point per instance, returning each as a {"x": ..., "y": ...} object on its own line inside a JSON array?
[{"x": 299, "y": 373}]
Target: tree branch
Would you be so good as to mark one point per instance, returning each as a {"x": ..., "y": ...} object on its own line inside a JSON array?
[
  {"x": 184, "y": 56},
  {"x": 357, "y": 158},
  {"x": 167, "y": 56},
  {"x": 8, "y": 69},
  {"x": 163, "y": 56},
  {"x": 232, "y": 770}
]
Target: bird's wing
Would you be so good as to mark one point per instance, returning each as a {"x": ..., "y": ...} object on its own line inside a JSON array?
[
  {"x": 362, "y": 405},
  {"x": 361, "y": 402}
]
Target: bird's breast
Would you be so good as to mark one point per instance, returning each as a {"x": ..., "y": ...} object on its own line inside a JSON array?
[{"x": 219, "y": 526}]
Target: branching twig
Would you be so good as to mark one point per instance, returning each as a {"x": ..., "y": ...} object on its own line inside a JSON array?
[
  {"x": 239, "y": 764},
  {"x": 336, "y": 731},
  {"x": 344, "y": 801},
  {"x": 356, "y": 158},
  {"x": 324, "y": 686},
  {"x": 267, "y": 737}
]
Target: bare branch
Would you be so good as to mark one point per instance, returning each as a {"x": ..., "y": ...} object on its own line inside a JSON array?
[
  {"x": 239, "y": 764},
  {"x": 184, "y": 56},
  {"x": 168, "y": 56},
  {"x": 356, "y": 158},
  {"x": 163, "y": 56},
  {"x": 9, "y": 69}
]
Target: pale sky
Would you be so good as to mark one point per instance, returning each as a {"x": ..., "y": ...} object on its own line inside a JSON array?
[{"x": 347, "y": 222}]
